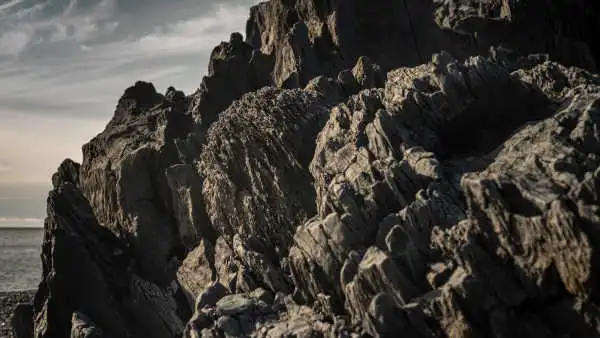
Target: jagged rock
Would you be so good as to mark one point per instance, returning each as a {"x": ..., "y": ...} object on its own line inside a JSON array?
[
  {"x": 424, "y": 197},
  {"x": 262, "y": 295},
  {"x": 234, "y": 305},
  {"x": 235, "y": 68},
  {"x": 87, "y": 269},
  {"x": 188, "y": 205},
  {"x": 348, "y": 83},
  {"x": 68, "y": 171},
  {"x": 229, "y": 326},
  {"x": 278, "y": 128},
  {"x": 22, "y": 321},
  {"x": 367, "y": 74},
  {"x": 123, "y": 177},
  {"x": 491, "y": 22},
  {"x": 455, "y": 197},
  {"x": 214, "y": 293},
  {"x": 376, "y": 273},
  {"x": 407, "y": 33},
  {"x": 83, "y": 327},
  {"x": 174, "y": 95},
  {"x": 198, "y": 269}
]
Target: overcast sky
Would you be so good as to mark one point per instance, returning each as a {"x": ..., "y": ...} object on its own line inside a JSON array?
[{"x": 64, "y": 64}]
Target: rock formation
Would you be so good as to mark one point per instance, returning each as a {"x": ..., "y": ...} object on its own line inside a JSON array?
[{"x": 423, "y": 168}]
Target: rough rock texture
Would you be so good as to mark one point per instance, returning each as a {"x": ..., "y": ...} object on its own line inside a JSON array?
[
  {"x": 443, "y": 205},
  {"x": 307, "y": 38},
  {"x": 123, "y": 177},
  {"x": 396, "y": 176},
  {"x": 259, "y": 314},
  {"x": 16, "y": 314},
  {"x": 90, "y": 279},
  {"x": 254, "y": 166}
]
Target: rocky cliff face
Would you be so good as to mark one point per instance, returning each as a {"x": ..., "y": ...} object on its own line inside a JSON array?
[{"x": 424, "y": 168}]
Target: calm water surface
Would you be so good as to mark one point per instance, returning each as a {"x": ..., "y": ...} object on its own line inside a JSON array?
[{"x": 20, "y": 264}]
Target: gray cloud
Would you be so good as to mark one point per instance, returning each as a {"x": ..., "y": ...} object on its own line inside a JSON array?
[{"x": 64, "y": 63}]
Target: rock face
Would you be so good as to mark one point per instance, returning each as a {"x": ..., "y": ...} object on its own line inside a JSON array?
[
  {"x": 308, "y": 38},
  {"x": 423, "y": 168},
  {"x": 90, "y": 279}
]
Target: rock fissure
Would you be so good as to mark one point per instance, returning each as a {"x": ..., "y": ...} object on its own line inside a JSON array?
[{"x": 302, "y": 192}]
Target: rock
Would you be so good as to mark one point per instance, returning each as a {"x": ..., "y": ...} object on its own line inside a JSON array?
[
  {"x": 22, "y": 321},
  {"x": 235, "y": 68},
  {"x": 234, "y": 305},
  {"x": 68, "y": 171},
  {"x": 211, "y": 295},
  {"x": 283, "y": 123},
  {"x": 229, "y": 326},
  {"x": 378, "y": 272},
  {"x": 262, "y": 295},
  {"x": 423, "y": 168},
  {"x": 193, "y": 225},
  {"x": 348, "y": 82},
  {"x": 367, "y": 74},
  {"x": 438, "y": 275},
  {"x": 123, "y": 177},
  {"x": 174, "y": 95},
  {"x": 83, "y": 327},
  {"x": 244, "y": 282},
  {"x": 97, "y": 271},
  {"x": 407, "y": 33},
  {"x": 198, "y": 269}
]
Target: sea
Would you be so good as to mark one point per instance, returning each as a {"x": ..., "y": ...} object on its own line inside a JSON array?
[
  {"x": 20, "y": 249},
  {"x": 22, "y": 209}
]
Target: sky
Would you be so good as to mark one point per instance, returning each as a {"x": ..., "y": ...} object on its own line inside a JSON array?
[{"x": 65, "y": 63}]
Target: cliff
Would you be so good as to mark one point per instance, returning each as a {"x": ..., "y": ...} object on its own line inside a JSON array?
[{"x": 423, "y": 168}]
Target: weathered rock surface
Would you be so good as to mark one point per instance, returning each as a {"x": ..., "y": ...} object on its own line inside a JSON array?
[
  {"x": 255, "y": 176},
  {"x": 350, "y": 169},
  {"x": 90, "y": 283},
  {"x": 307, "y": 38},
  {"x": 123, "y": 177}
]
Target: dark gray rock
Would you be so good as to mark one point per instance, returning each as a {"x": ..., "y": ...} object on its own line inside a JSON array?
[
  {"x": 229, "y": 326},
  {"x": 407, "y": 33},
  {"x": 211, "y": 295},
  {"x": 262, "y": 295},
  {"x": 271, "y": 131},
  {"x": 21, "y": 321},
  {"x": 87, "y": 269},
  {"x": 456, "y": 197},
  {"x": 367, "y": 74},
  {"x": 68, "y": 171},
  {"x": 123, "y": 177},
  {"x": 83, "y": 327},
  {"x": 234, "y": 305}
]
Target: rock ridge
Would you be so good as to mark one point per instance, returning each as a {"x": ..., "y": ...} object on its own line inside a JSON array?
[{"x": 348, "y": 169}]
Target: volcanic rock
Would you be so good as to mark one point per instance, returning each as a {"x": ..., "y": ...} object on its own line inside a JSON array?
[{"x": 423, "y": 168}]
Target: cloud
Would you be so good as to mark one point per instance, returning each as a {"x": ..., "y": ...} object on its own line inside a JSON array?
[
  {"x": 64, "y": 64},
  {"x": 15, "y": 42},
  {"x": 6, "y": 7}
]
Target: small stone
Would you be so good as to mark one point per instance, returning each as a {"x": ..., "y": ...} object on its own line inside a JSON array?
[
  {"x": 235, "y": 305},
  {"x": 262, "y": 295},
  {"x": 211, "y": 296},
  {"x": 230, "y": 326}
]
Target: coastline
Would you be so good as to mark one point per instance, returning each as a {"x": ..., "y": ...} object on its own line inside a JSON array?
[{"x": 8, "y": 302}]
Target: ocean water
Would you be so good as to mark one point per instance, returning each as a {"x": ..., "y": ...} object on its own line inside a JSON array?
[
  {"x": 20, "y": 263},
  {"x": 22, "y": 209}
]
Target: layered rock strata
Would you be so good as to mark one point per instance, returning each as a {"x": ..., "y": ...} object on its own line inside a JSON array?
[{"x": 350, "y": 169}]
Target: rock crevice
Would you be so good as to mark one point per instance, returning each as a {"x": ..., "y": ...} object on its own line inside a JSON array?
[{"x": 350, "y": 168}]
